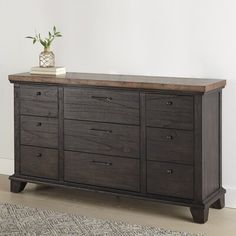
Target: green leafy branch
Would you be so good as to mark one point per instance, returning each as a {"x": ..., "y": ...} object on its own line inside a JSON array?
[{"x": 46, "y": 42}]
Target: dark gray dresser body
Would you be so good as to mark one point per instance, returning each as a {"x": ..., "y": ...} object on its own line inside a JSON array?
[{"x": 154, "y": 144}]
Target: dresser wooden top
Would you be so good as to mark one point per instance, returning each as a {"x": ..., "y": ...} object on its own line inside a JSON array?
[{"x": 123, "y": 81}]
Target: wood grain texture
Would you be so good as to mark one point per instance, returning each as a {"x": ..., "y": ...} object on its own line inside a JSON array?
[
  {"x": 39, "y": 162},
  {"x": 170, "y": 179},
  {"x": 17, "y": 128},
  {"x": 210, "y": 141},
  {"x": 61, "y": 132},
  {"x": 124, "y": 81},
  {"x": 39, "y": 100},
  {"x": 143, "y": 144},
  {"x": 114, "y": 106},
  {"x": 102, "y": 138},
  {"x": 119, "y": 192},
  {"x": 39, "y": 108},
  {"x": 169, "y": 111},
  {"x": 39, "y": 93},
  {"x": 170, "y": 145},
  {"x": 207, "y": 162},
  {"x": 159, "y": 145},
  {"x": 198, "y": 161},
  {"x": 100, "y": 170},
  {"x": 39, "y": 131}
]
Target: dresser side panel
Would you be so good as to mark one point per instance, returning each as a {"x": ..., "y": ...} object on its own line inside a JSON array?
[
  {"x": 198, "y": 180},
  {"x": 17, "y": 128},
  {"x": 211, "y": 141}
]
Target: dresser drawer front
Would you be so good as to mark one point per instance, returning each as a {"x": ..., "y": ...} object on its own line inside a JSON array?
[
  {"x": 39, "y": 162},
  {"x": 170, "y": 145},
  {"x": 102, "y": 138},
  {"x": 114, "y": 106},
  {"x": 39, "y": 131},
  {"x": 39, "y": 101},
  {"x": 170, "y": 179},
  {"x": 169, "y": 111},
  {"x": 100, "y": 170}
]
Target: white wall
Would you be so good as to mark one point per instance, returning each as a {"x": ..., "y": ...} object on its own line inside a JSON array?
[{"x": 150, "y": 37}]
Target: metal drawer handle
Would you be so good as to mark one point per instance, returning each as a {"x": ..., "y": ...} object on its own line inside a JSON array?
[
  {"x": 39, "y": 155},
  {"x": 39, "y": 124},
  {"x": 38, "y": 93},
  {"x": 169, "y": 103},
  {"x": 102, "y": 163},
  {"x": 101, "y": 130},
  {"x": 169, "y": 137},
  {"x": 169, "y": 171},
  {"x": 108, "y": 99}
]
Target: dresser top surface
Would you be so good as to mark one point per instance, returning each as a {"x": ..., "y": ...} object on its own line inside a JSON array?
[{"x": 123, "y": 81}]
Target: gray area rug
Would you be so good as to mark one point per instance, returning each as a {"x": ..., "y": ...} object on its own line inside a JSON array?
[{"x": 20, "y": 220}]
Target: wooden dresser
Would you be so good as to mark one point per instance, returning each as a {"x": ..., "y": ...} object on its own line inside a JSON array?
[{"x": 152, "y": 138}]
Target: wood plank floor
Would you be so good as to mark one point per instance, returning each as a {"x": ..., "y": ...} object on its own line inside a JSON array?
[{"x": 221, "y": 222}]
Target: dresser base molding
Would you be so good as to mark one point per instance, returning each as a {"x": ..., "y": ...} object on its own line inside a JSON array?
[{"x": 199, "y": 210}]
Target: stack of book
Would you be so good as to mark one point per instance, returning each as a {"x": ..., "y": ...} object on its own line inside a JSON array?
[{"x": 48, "y": 70}]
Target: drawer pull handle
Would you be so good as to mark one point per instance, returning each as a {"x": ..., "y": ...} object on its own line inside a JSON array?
[
  {"x": 102, "y": 130},
  {"x": 169, "y": 137},
  {"x": 102, "y": 163},
  {"x": 169, "y": 171},
  {"x": 39, "y": 155},
  {"x": 38, "y": 93},
  {"x": 169, "y": 103},
  {"x": 39, "y": 124},
  {"x": 107, "y": 99}
]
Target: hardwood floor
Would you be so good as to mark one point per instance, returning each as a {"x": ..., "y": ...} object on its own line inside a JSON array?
[{"x": 120, "y": 209}]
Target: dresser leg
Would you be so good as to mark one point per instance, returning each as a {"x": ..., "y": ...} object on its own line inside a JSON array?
[
  {"x": 200, "y": 215},
  {"x": 17, "y": 186},
  {"x": 220, "y": 203}
]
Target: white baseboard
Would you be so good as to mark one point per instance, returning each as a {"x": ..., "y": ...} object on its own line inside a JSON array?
[
  {"x": 6, "y": 166},
  {"x": 230, "y": 197}
]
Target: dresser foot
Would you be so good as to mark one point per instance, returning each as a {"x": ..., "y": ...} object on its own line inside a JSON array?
[
  {"x": 220, "y": 203},
  {"x": 200, "y": 215},
  {"x": 17, "y": 186}
]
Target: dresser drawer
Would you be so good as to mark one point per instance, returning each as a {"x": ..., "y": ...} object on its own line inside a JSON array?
[
  {"x": 170, "y": 179},
  {"x": 170, "y": 145},
  {"x": 102, "y": 138},
  {"x": 114, "y": 106},
  {"x": 39, "y": 101},
  {"x": 39, "y": 131},
  {"x": 39, "y": 162},
  {"x": 169, "y": 111},
  {"x": 100, "y": 170}
]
